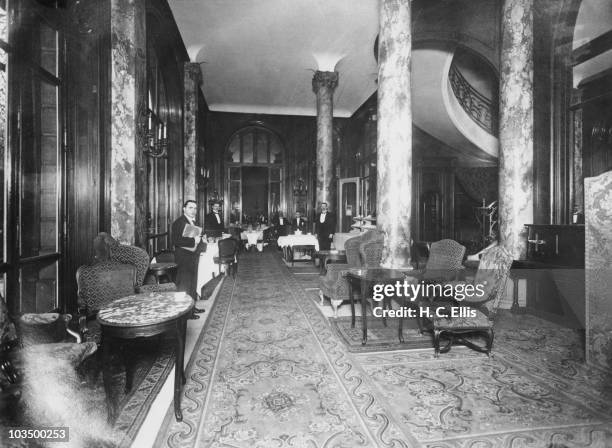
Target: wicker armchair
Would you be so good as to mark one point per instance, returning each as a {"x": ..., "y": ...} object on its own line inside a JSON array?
[
  {"x": 364, "y": 250},
  {"x": 122, "y": 253}
]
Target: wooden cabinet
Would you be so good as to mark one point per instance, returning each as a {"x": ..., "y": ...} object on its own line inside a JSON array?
[{"x": 554, "y": 274}]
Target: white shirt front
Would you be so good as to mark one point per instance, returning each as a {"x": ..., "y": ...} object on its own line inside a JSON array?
[
  {"x": 322, "y": 219},
  {"x": 218, "y": 219}
]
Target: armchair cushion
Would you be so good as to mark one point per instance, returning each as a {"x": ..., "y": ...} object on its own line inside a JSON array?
[{"x": 481, "y": 320}]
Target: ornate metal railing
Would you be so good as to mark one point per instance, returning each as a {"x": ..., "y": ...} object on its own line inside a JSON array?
[{"x": 481, "y": 109}]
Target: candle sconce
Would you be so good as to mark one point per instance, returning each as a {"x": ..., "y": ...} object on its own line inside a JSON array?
[
  {"x": 154, "y": 134},
  {"x": 300, "y": 187},
  {"x": 203, "y": 177}
]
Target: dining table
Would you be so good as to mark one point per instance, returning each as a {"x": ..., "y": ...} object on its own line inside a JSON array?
[{"x": 304, "y": 244}]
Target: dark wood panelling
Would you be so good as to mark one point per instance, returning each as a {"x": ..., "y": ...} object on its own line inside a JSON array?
[{"x": 84, "y": 146}]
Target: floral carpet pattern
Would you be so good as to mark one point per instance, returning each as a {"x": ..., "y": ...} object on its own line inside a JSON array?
[{"x": 269, "y": 371}]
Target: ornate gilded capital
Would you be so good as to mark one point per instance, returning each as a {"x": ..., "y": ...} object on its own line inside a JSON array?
[{"x": 328, "y": 80}]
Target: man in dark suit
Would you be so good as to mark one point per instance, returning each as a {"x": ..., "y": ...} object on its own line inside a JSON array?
[
  {"x": 186, "y": 254},
  {"x": 298, "y": 223},
  {"x": 213, "y": 222},
  {"x": 325, "y": 227}
]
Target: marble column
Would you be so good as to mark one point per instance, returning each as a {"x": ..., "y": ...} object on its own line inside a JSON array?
[
  {"x": 190, "y": 122},
  {"x": 516, "y": 126},
  {"x": 394, "y": 139},
  {"x": 128, "y": 98},
  {"x": 598, "y": 273},
  {"x": 323, "y": 85}
]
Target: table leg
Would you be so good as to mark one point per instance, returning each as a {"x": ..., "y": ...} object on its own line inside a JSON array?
[
  {"x": 364, "y": 323},
  {"x": 178, "y": 370},
  {"x": 129, "y": 366},
  {"x": 386, "y": 305},
  {"x": 184, "y": 342},
  {"x": 400, "y": 325},
  {"x": 106, "y": 376},
  {"x": 352, "y": 296}
]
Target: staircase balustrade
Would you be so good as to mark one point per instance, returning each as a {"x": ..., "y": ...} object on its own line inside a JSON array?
[{"x": 476, "y": 105}]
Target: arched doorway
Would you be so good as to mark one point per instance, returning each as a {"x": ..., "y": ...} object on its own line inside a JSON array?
[{"x": 255, "y": 165}]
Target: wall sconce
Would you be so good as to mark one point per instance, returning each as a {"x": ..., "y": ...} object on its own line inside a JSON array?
[
  {"x": 300, "y": 187},
  {"x": 154, "y": 133},
  {"x": 602, "y": 132},
  {"x": 203, "y": 177}
]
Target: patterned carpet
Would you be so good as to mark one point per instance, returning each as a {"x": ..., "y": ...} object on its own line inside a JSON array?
[{"x": 268, "y": 371}]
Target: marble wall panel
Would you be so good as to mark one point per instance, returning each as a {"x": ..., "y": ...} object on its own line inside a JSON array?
[{"x": 598, "y": 265}]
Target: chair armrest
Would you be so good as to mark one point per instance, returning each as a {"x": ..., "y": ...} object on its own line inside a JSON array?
[{"x": 82, "y": 320}]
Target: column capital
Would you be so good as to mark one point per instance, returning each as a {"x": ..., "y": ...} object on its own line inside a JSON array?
[
  {"x": 328, "y": 80},
  {"x": 192, "y": 70}
]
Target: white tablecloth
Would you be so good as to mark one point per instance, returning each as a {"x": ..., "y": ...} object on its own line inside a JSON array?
[
  {"x": 253, "y": 236},
  {"x": 298, "y": 240}
]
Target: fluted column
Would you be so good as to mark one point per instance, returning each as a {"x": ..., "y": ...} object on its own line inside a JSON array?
[
  {"x": 190, "y": 123},
  {"x": 128, "y": 97},
  {"x": 516, "y": 125},
  {"x": 323, "y": 84},
  {"x": 394, "y": 144}
]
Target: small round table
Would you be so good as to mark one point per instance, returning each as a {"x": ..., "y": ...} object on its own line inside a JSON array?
[
  {"x": 145, "y": 315},
  {"x": 366, "y": 279}
]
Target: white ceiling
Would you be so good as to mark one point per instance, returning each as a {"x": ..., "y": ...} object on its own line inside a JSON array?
[{"x": 259, "y": 56}]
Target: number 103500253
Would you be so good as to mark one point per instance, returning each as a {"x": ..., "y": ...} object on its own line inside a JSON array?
[{"x": 56, "y": 434}]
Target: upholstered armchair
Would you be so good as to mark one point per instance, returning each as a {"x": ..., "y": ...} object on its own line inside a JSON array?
[
  {"x": 41, "y": 338},
  {"x": 123, "y": 253},
  {"x": 333, "y": 285},
  {"x": 98, "y": 285},
  {"x": 371, "y": 253},
  {"x": 475, "y": 315},
  {"x": 445, "y": 261}
]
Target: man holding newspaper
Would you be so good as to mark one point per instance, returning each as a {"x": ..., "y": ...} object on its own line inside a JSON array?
[{"x": 185, "y": 237}]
